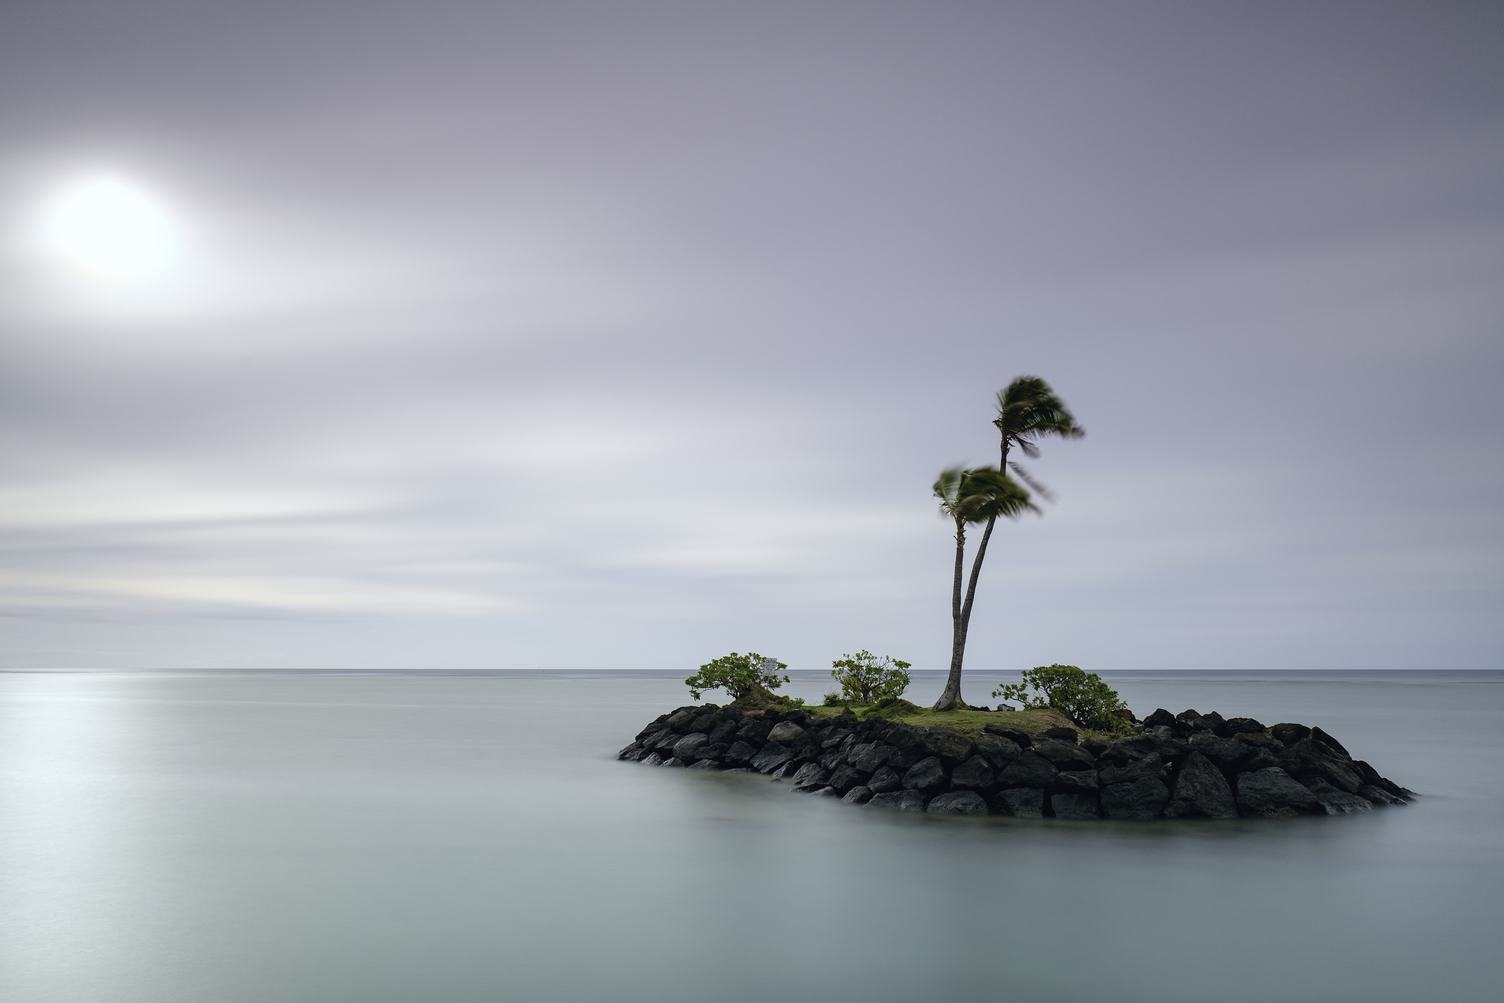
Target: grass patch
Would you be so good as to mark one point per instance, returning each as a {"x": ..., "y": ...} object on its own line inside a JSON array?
[{"x": 968, "y": 722}]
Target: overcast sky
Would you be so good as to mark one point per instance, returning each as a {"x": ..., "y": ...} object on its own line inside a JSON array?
[{"x": 514, "y": 335}]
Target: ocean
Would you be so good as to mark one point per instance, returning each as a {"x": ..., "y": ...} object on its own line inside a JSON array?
[{"x": 244, "y": 837}]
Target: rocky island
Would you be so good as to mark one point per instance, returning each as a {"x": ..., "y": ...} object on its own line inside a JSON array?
[{"x": 1028, "y": 763}]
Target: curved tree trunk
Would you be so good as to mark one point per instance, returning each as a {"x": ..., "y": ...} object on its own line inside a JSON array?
[{"x": 951, "y": 696}]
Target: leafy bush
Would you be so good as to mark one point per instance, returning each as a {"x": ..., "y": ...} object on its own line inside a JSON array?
[
  {"x": 867, "y": 679},
  {"x": 1084, "y": 697},
  {"x": 739, "y": 675},
  {"x": 834, "y": 699}
]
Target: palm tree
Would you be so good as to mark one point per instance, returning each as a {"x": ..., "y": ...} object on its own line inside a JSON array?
[
  {"x": 1027, "y": 411},
  {"x": 972, "y": 497}
]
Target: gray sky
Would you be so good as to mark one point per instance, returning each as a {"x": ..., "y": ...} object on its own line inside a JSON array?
[{"x": 545, "y": 334}]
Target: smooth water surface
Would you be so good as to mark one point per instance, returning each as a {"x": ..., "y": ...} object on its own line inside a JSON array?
[{"x": 396, "y": 837}]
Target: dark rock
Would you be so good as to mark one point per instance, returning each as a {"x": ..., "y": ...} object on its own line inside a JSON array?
[
  {"x": 705, "y": 721},
  {"x": 1241, "y": 726},
  {"x": 1160, "y": 719},
  {"x": 1075, "y": 805},
  {"x": 1201, "y": 790},
  {"x": 1379, "y": 796},
  {"x": 786, "y": 771},
  {"x": 1214, "y": 722},
  {"x": 1095, "y": 746},
  {"x": 652, "y": 759},
  {"x": 1188, "y": 721},
  {"x": 666, "y": 740},
  {"x": 943, "y": 743},
  {"x": 835, "y": 738},
  {"x": 902, "y": 759},
  {"x": 1024, "y": 802},
  {"x": 974, "y": 774},
  {"x": 1228, "y": 755},
  {"x": 844, "y": 777},
  {"x": 810, "y": 776},
  {"x": 1289, "y": 734},
  {"x": 1329, "y": 743},
  {"x": 868, "y": 756},
  {"x": 740, "y": 754},
  {"x": 1126, "y": 771},
  {"x": 771, "y": 757},
  {"x": 1309, "y": 759},
  {"x": 1077, "y": 781},
  {"x": 826, "y": 792},
  {"x": 723, "y": 732},
  {"x": 680, "y": 719},
  {"x": 1061, "y": 734},
  {"x": 1124, "y": 750},
  {"x": 1064, "y": 755},
  {"x": 631, "y": 753},
  {"x": 1022, "y": 739},
  {"x": 688, "y": 748},
  {"x": 1144, "y": 797},
  {"x": 786, "y": 733},
  {"x": 740, "y": 769},
  {"x": 957, "y": 803},
  {"x": 1335, "y": 801},
  {"x": 705, "y": 764},
  {"x": 1125, "y": 715},
  {"x": 884, "y": 780},
  {"x": 927, "y": 775},
  {"x": 677, "y": 764},
  {"x": 1272, "y": 792},
  {"x": 902, "y": 800},
  {"x": 858, "y": 795},
  {"x": 996, "y": 749},
  {"x": 1170, "y": 745},
  {"x": 1266, "y": 751},
  {"x": 833, "y": 759},
  {"x": 1030, "y": 769},
  {"x": 654, "y": 726}
]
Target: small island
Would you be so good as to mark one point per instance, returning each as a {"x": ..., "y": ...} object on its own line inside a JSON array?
[{"x": 1027, "y": 763}]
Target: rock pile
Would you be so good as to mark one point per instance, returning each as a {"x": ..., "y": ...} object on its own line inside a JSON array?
[{"x": 1171, "y": 766}]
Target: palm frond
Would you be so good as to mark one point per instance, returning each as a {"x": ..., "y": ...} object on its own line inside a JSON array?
[{"x": 1018, "y": 471}]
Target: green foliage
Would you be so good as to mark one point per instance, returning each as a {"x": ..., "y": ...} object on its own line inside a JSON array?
[
  {"x": 1082, "y": 696},
  {"x": 893, "y": 708},
  {"x": 865, "y": 678},
  {"x": 739, "y": 675},
  {"x": 978, "y": 494},
  {"x": 833, "y": 699}
]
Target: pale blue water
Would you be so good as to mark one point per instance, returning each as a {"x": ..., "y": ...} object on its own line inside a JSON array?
[{"x": 402, "y": 837}]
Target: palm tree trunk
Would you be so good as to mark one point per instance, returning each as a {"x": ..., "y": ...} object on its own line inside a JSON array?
[{"x": 951, "y": 695}]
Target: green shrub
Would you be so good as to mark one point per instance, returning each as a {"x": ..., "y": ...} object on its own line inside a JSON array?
[
  {"x": 867, "y": 679},
  {"x": 739, "y": 675},
  {"x": 834, "y": 699},
  {"x": 1084, "y": 697}
]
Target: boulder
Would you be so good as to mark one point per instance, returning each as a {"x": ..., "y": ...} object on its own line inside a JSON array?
[
  {"x": 844, "y": 777},
  {"x": 677, "y": 764},
  {"x": 680, "y": 719},
  {"x": 1023, "y": 802},
  {"x": 957, "y": 803},
  {"x": 1378, "y": 796},
  {"x": 652, "y": 759},
  {"x": 771, "y": 757},
  {"x": 1335, "y": 801},
  {"x": 1188, "y": 722},
  {"x": 884, "y": 780},
  {"x": 1061, "y": 734},
  {"x": 1289, "y": 734},
  {"x": 786, "y": 733},
  {"x": 858, "y": 795},
  {"x": 1309, "y": 759},
  {"x": 1272, "y": 792},
  {"x": 1075, "y": 805},
  {"x": 723, "y": 732},
  {"x": 868, "y": 756},
  {"x": 705, "y": 764},
  {"x": 1160, "y": 719},
  {"x": 705, "y": 720},
  {"x": 902, "y": 800},
  {"x": 810, "y": 776},
  {"x": 1022, "y": 739},
  {"x": 996, "y": 749},
  {"x": 927, "y": 775},
  {"x": 1227, "y": 754},
  {"x": 1076, "y": 782},
  {"x": 1030, "y": 769},
  {"x": 666, "y": 740},
  {"x": 1321, "y": 738},
  {"x": 631, "y": 753},
  {"x": 740, "y": 754},
  {"x": 1201, "y": 790},
  {"x": 1241, "y": 726},
  {"x": 689, "y": 747},
  {"x": 1064, "y": 755},
  {"x": 975, "y": 773},
  {"x": 949, "y": 746},
  {"x": 1111, "y": 771},
  {"x": 1214, "y": 722},
  {"x": 1144, "y": 797}
]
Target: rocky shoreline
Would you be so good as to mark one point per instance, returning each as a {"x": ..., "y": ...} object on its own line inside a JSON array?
[{"x": 1185, "y": 765}]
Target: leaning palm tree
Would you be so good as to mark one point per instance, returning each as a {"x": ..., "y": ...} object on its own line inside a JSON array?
[
  {"x": 977, "y": 496},
  {"x": 1027, "y": 411}
]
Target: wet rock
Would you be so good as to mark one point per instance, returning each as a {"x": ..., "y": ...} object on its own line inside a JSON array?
[
  {"x": 1023, "y": 802},
  {"x": 631, "y": 753},
  {"x": 1335, "y": 801},
  {"x": 1378, "y": 796},
  {"x": 996, "y": 749},
  {"x": 975, "y": 773},
  {"x": 843, "y": 778},
  {"x": 1122, "y": 771},
  {"x": 705, "y": 764},
  {"x": 1214, "y": 722},
  {"x": 1289, "y": 734},
  {"x": 868, "y": 756},
  {"x": 680, "y": 719},
  {"x": 1329, "y": 743},
  {"x": 1188, "y": 721},
  {"x": 1272, "y": 792},
  {"x": 786, "y": 733},
  {"x": 771, "y": 757},
  {"x": 884, "y": 780},
  {"x": 688, "y": 748},
  {"x": 1160, "y": 719},
  {"x": 1075, "y": 805},
  {"x": 1030, "y": 769},
  {"x": 1144, "y": 797},
  {"x": 1077, "y": 781},
  {"x": 652, "y": 759},
  {"x": 949, "y": 746},
  {"x": 1201, "y": 790},
  {"x": 1022, "y": 739},
  {"x": 677, "y": 764},
  {"x": 1065, "y": 755},
  {"x": 810, "y": 776},
  {"x": 1061, "y": 734},
  {"x": 1309, "y": 759},
  {"x": 858, "y": 795},
  {"x": 905, "y": 800},
  {"x": 927, "y": 775},
  {"x": 957, "y": 803},
  {"x": 1241, "y": 726}
]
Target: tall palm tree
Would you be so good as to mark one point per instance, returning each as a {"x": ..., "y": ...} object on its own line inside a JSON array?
[
  {"x": 980, "y": 495},
  {"x": 1027, "y": 411}
]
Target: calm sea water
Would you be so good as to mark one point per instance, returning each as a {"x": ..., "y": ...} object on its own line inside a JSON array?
[{"x": 256, "y": 837}]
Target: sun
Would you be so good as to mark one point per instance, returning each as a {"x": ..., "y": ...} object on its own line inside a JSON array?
[{"x": 109, "y": 228}]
